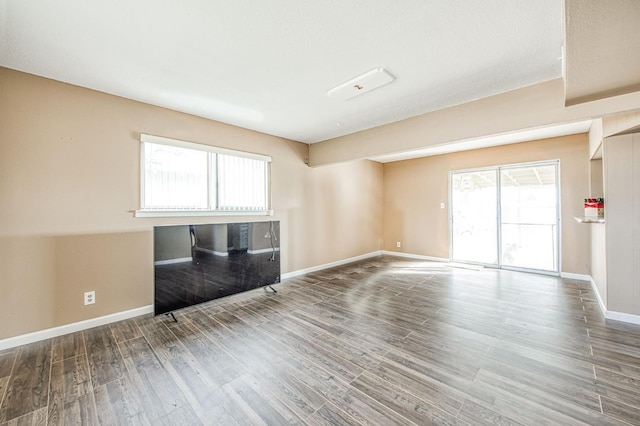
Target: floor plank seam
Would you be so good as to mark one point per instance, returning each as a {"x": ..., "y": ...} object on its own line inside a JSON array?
[
  {"x": 46, "y": 415},
  {"x": 6, "y": 388},
  {"x": 93, "y": 387},
  {"x": 182, "y": 386},
  {"x": 600, "y": 401},
  {"x": 321, "y": 367},
  {"x": 378, "y": 403},
  {"x": 385, "y": 321}
]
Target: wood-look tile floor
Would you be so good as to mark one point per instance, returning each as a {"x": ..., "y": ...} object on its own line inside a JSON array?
[{"x": 384, "y": 341}]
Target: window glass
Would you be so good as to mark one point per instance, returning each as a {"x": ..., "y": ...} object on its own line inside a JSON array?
[
  {"x": 175, "y": 178},
  {"x": 182, "y": 176}
]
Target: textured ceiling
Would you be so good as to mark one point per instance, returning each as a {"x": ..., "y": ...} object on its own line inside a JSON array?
[
  {"x": 602, "y": 45},
  {"x": 267, "y": 65}
]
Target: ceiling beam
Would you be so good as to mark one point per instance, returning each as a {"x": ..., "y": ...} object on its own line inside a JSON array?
[{"x": 531, "y": 107}]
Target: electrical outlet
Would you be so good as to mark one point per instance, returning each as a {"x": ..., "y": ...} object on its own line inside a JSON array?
[
  {"x": 398, "y": 244},
  {"x": 89, "y": 297},
  {"x": 442, "y": 205}
]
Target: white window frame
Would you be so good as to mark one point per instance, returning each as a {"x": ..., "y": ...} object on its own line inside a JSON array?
[{"x": 212, "y": 180}]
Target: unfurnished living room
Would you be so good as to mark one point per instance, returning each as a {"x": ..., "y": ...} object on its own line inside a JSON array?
[{"x": 320, "y": 212}]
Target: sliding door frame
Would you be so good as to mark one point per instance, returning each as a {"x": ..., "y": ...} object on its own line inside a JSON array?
[{"x": 498, "y": 169}]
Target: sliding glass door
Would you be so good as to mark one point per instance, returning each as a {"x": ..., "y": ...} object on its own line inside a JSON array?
[
  {"x": 475, "y": 217},
  {"x": 529, "y": 217},
  {"x": 506, "y": 217}
]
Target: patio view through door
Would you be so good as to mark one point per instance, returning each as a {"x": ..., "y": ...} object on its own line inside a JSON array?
[{"x": 506, "y": 217}]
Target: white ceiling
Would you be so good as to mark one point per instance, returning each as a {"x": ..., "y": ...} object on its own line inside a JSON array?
[
  {"x": 602, "y": 44},
  {"x": 267, "y": 65}
]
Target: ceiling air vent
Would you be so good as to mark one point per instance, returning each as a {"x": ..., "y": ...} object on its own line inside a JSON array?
[{"x": 362, "y": 84}]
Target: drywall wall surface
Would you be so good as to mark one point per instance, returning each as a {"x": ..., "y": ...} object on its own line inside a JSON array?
[
  {"x": 621, "y": 124},
  {"x": 595, "y": 139},
  {"x": 599, "y": 260},
  {"x": 43, "y": 278},
  {"x": 70, "y": 182},
  {"x": 596, "y": 179},
  {"x": 414, "y": 190},
  {"x": 28, "y": 284},
  {"x": 621, "y": 159}
]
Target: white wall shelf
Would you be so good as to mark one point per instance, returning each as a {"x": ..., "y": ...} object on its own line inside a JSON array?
[{"x": 585, "y": 219}]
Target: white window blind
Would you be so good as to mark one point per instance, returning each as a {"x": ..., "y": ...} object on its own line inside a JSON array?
[
  {"x": 241, "y": 183},
  {"x": 186, "y": 177},
  {"x": 175, "y": 178}
]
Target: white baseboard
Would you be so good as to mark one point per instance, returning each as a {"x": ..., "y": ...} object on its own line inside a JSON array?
[
  {"x": 613, "y": 315},
  {"x": 571, "y": 275},
  {"x": 213, "y": 252},
  {"x": 172, "y": 261},
  {"x": 329, "y": 265},
  {"x": 24, "y": 339},
  {"x": 260, "y": 251},
  {"x": 594, "y": 287},
  {"x": 119, "y": 316},
  {"x": 621, "y": 316},
  {"x": 415, "y": 256}
]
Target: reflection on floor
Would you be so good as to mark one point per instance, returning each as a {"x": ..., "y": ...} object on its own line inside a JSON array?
[
  {"x": 385, "y": 341},
  {"x": 210, "y": 277}
]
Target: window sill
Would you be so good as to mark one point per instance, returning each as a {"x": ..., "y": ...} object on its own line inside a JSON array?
[{"x": 201, "y": 213}]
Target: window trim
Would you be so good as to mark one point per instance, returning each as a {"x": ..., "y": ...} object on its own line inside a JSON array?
[
  {"x": 200, "y": 213},
  {"x": 211, "y": 184}
]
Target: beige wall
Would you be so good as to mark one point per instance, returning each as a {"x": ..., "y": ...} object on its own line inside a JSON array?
[
  {"x": 69, "y": 181},
  {"x": 596, "y": 180},
  {"x": 43, "y": 277},
  {"x": 614, "y": 244},
  {"x": 595, "y": 139},
  {"x": 599, "y": 259},
  {"x": 597, "y": 230},
  {"x": 621, "y": 156},
  {"x": 628, "y": 122},
  {"x": 414, "y": 189}
]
